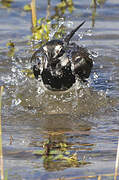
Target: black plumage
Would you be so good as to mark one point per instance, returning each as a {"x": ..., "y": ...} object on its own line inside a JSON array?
[{"x": 60, "y": 62}]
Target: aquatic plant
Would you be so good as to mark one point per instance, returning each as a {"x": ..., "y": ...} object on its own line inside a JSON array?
[
  {"x": 27, "y": 7},
  {"x": 6, "y": 3},
  {"x": 41, "y": 28},
  {"x": 53, "y": 153},
  {"x": 94, "y": 4},
  {"x": 11, "y": 47},
  {"x": 61, "y": 8}
]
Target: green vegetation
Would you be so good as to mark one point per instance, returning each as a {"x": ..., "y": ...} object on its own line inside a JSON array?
[
  {"x": 27, "y": 7},
  {"x": 41, "y": 28},
  {"x": 6, "y": 3},
  {"x": 58, "y": 153},
  {"x": 63, "y": 6},
  {"x": 94, "y": 5},
  {"x": 11, "y": 47}
]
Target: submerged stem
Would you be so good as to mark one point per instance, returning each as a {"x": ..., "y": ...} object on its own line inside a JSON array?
[{"x": 1, "y": 153}]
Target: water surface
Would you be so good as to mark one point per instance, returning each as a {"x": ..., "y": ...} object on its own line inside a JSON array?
[{"x": 85, "y": 119}]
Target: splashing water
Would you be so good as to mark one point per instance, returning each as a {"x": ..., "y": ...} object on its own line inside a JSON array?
[
  {"x": 89, "y": 32},
  {"x": 28, "y": 92}
]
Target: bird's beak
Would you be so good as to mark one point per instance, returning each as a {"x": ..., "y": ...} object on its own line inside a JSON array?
[{"x": 69, "y": 36}]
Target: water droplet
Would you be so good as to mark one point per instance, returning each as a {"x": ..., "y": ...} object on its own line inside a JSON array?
[
  {"x": 107, "y": 91},
  {"x": 23, "y": 142},
  {"x": 13, "y": 59},
  {"x": 88, "y": 32},
  {"x": 94, "y": 54},
  {"x": 101, "y": 66},
  {"x": 102, "y": 93},
  {"x": 69, "y": 24},
  {"x": 61, "y": 22},
  {"x": 95, "y": 75},
  {"x": 13, "y": 69},
  {"x": 16, "y": 102},
  {"x": 81, "y": 35}
]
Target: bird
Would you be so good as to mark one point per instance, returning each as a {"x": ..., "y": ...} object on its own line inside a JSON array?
[{"x": 59, "y": 63}]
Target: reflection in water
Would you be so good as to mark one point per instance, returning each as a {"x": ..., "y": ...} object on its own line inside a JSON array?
[
  {"x": 63, "y": 123},
  {"x": 61, "y": 8},
  {"x": 64, "y": 119},
  {"x": 94, "y": 5},
  {"x": 64, "y": 134}
]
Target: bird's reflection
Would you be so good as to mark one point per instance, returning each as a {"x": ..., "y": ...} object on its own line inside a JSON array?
[{"x": 64, "y": 138}]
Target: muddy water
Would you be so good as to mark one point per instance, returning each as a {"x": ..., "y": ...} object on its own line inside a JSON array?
[{"x": 85, "y": 118}]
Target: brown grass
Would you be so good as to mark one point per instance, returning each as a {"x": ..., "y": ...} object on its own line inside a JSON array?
[{"x": 34, "y": 17}]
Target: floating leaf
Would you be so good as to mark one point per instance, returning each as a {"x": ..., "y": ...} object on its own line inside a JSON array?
[
  {"x": 27, "y": 7},
  {"x": 7, "y": 3},
  {"x": 10, "y": 44},
  {"x": 38, "y": 152},
  {"x": 47, "y": 158},
  {"x": 59, "y": 157},
  {"x": 62, "y": 4},
  {"x": 28, "y": 73}
]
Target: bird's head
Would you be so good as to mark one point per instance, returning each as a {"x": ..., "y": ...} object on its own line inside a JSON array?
[{"x": 56, "y": 57}]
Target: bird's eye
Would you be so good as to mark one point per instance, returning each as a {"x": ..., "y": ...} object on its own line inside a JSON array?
[
  {"x": 57, "y": 52},
  {"x": 61, "y": 53}
]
